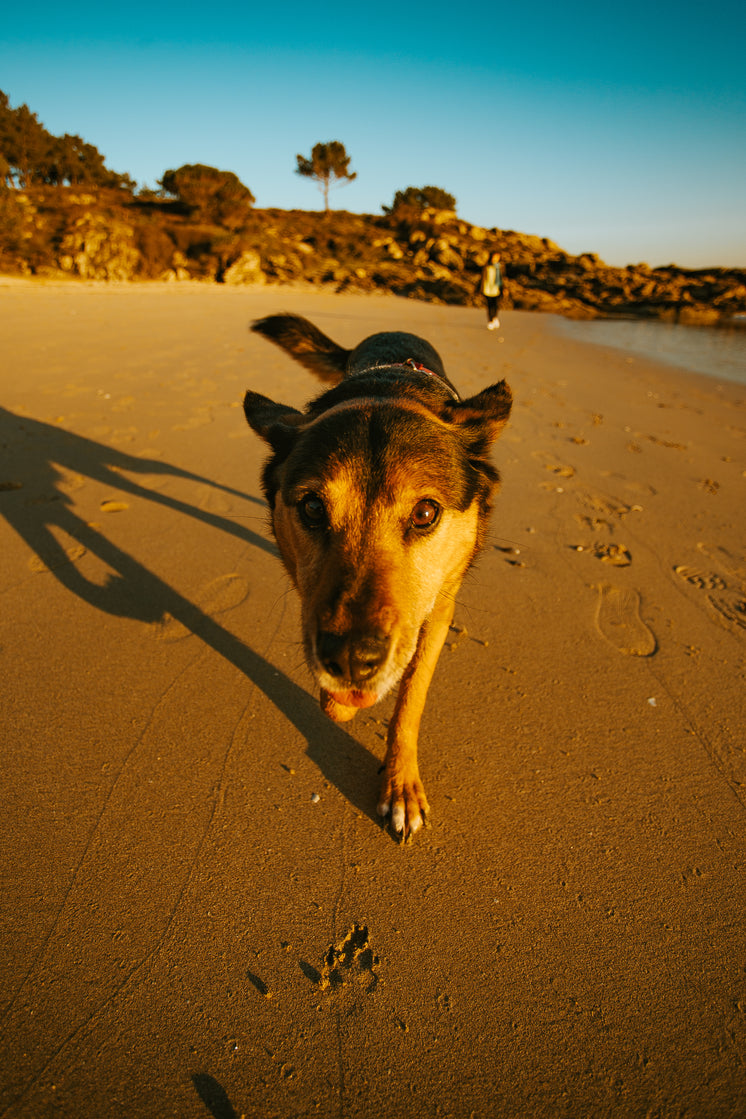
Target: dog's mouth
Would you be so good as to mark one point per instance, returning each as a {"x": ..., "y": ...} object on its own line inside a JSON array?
[
  {"x": 342, "y": 699},
  {"x": 354, "y": 697},
  {"x": 343, "y": 704},
  {"x": 355, "y": 669}
]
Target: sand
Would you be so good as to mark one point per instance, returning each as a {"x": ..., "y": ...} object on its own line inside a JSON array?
[{"x": 201, "y": 915}]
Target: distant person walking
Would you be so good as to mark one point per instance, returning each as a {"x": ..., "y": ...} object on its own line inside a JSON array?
[{"x": 492, "y": 289}]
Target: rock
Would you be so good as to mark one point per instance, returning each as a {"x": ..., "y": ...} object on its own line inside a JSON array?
[
  {"x": 99, "y": 248},
  {"x": 479, "y": 257},
  {"x": 698, "y": 316},
  {"x": 246, "y": 270},
  {"x": 444, "y": 254},
  {"x": 439, "y": 217},
  {"x": 179, "y": 270}
]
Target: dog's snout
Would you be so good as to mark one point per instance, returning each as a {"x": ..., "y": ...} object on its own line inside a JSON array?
[
  {"x": 351, "y": 657},
  {"x": 331, "y": 650},
  {"x": 367, "y": 655}
]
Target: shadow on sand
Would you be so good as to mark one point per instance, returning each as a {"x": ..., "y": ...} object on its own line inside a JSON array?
[
  {"x": 34, "y": 457},
  {"x": 213, "y": 1096}
]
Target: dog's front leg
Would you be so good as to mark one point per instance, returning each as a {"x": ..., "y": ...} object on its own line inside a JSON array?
[{"x": 402, "y": 793}]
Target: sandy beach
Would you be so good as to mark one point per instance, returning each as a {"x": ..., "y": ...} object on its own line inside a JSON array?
[{"x": 201, "y": 914}]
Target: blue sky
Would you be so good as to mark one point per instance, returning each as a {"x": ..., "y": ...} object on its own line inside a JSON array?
[{"x": 617, "y": 131}]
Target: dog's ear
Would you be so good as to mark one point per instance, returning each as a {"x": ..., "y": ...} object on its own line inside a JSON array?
[
  {"x": 276, "y": 423},
  {"x": 481, "y": 418}
]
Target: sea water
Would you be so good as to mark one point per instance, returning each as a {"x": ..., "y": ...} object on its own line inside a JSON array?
[{"x": 718, "y": 351}]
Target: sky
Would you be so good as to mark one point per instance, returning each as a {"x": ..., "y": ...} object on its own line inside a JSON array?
[{"x": 618, "y": 130}]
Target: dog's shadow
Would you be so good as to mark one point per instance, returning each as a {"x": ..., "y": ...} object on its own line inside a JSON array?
[{"x": 34, "y": 501}]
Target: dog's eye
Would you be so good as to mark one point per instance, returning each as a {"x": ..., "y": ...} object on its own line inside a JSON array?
[
  {"x": 311, "y": 511},
  {"x": 425, "y": 514}
]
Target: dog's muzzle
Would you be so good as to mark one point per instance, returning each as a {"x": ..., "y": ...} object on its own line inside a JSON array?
[{"x": 354, "y": 658}]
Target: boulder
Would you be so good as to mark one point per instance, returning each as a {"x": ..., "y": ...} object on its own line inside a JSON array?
[
  {"x": 246, "y": 270},
  {"x": 443, "y": 252}
]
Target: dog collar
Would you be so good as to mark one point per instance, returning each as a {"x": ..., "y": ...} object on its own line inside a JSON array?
[{"x": 410, "y": 363}]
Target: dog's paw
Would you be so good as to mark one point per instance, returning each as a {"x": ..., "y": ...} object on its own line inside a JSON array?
[{"x": 404, "y": 803}]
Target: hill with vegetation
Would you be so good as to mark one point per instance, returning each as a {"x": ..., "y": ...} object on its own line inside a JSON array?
[{"x": 64, "y": 214}]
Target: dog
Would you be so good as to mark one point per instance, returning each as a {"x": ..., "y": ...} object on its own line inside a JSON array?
[{"x": 380, "y": 492}]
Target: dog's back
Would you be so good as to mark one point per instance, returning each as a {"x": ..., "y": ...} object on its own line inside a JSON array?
[{"x": 330, "y": 362}]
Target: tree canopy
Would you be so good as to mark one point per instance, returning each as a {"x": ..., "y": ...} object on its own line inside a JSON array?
[
  {"x": 329, "y": 165},
  {"x": 421, "y": 198},
  {"x": 212, "y": 195},
  {"x": 29, "y": 155}
]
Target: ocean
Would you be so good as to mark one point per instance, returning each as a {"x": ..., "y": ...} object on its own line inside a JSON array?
[{"x": 718, "y": 351}]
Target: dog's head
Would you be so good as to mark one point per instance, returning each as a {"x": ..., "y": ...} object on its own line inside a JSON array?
[{"x": 379, "y": 505}]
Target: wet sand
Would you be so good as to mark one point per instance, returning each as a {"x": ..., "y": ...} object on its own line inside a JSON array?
[{"x": 201, "y": 913}]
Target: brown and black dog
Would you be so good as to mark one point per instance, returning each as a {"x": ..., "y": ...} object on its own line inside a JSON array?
[{"x": 380, "y": 492}]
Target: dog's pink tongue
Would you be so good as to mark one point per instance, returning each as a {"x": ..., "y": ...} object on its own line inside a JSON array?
[
  {"x": 354, "y": 698},
  {"x": 342, "y": 706}
]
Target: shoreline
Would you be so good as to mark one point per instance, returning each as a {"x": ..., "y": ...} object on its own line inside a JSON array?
[
  {"x": 716, "y": 351},
  {"x": 566, "y": 327}
]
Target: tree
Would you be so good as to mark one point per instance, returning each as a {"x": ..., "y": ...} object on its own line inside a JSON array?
[
  {"x": 30, "y": 155},
  {"x": 328, "y": 162},
  {"x": 212, "y": 195},
  {"x": 417, "y": 199},
  {"x": 23, "y": 143},
  {"x": 70, "y": 159}
]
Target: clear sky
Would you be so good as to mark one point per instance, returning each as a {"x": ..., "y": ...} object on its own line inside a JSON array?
[{"x": 615, "y": 129}]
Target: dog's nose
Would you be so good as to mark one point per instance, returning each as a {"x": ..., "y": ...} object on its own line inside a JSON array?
[{"x": 350, "y": 657}]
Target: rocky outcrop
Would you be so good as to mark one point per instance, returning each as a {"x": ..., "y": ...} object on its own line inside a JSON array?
[
  {"x": 247, "y": 269},
  {"x": 99, "y": 248},
  {"x": 439, "y": 258},
  {"x": 433, "y": 256}
]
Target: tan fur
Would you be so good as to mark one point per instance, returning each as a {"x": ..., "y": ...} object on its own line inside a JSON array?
[
  {"x": 353, "y": 484},
  {"x": 403, "y": 583}
]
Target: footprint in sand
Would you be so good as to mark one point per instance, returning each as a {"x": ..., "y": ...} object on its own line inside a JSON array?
[
  {"x": 705, "y": 580},
  {"x": 212, "y": 500},
  {"x": 728, "y": 602},
  {"x": 200, "y": 418},
  {"x": 731, "y": 612},
  {"x": 221, "y": 594},
  {"x": 732, "y": 565},
  {"x": 561, "y": 469},
  {"x": 604, "y": 505},
  {"x": 668, "y": 443},
  {"x": 595, "y": 524},
  {"x": 351, "y": 959},
  {"x": 615, "y": 554},
  {"x": 38, "y": 564},
  {"x": 618, "y": 620},
  {"x": 69, "y": 480}
]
